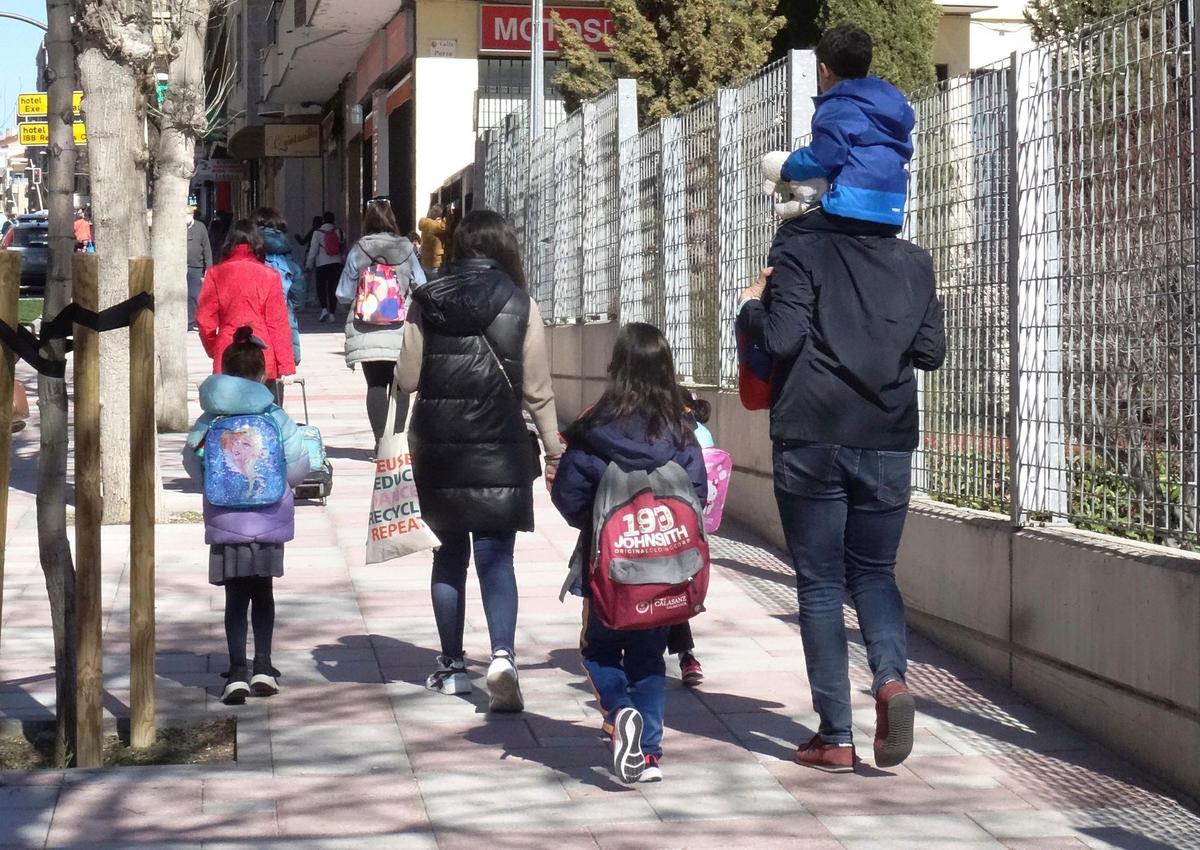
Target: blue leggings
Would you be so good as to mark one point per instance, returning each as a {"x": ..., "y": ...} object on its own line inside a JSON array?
[{"x": 497, "y": 583}]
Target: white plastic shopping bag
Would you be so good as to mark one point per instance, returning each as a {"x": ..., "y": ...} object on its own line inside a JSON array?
[{"x": 395, "y": 527}]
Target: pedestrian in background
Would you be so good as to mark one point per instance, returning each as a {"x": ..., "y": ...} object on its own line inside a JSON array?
[
  {"x": 434, "y": 230},
  {"x": 274, "y": 229},
  {"x": 376, "y": 347},
  {"x": 199, "y": 260},
  {"x": 243, "y": 290},
  {"x": 217, "y": 231},
  {"x": 475, "y": 352},
  {"x": 326, "y": 254}
]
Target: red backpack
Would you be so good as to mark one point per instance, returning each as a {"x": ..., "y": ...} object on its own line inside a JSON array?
[
  {"x": 331, "y": 242},
  {"x": 649, "y": 563}
]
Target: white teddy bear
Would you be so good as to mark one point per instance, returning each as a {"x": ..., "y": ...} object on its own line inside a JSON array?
[{"x": 794, "y": 198}]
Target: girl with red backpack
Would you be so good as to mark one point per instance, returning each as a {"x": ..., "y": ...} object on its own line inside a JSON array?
[{"x": 641, "y": 423}]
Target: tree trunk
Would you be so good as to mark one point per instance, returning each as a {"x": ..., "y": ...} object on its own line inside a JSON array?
[
  {"x": 114, "y": 109},
  {"x": 53, "y": 547},
  {"x": 184, "y": 120}
]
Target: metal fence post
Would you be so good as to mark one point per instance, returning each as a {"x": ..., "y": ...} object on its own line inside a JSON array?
[
  {"x": 677, "y": 326},
  {"x": 1040, "y": 480},
  {"x": 589, "y": 210},
  {"x": 629, "y": 233},
  {"x": 802, "y": 87},
  {"x": 731, "y": 217}
]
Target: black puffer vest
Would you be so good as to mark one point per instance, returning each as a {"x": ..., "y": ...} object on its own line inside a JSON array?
[{"x": 471, "y": 452}]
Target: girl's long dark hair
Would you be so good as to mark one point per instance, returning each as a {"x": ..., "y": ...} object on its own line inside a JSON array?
[
  {"x": 641, "y": 383},
  {"x": 487, "y": 235},
  {"x": 379, "y": 218},
  {"x": 243, "y": 232}
]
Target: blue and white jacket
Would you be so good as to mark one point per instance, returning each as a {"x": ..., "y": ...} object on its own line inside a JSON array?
[{"x": 861, "y": 143}]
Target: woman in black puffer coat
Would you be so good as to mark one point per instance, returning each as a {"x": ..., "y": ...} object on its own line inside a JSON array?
[{"x": 475, "y": 353}]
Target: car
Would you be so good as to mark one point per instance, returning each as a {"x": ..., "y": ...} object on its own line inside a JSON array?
[{"x": 29, "y": 237}]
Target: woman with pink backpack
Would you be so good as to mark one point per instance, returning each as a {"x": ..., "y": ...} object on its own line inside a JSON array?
[{"x": 380, "y": 271}]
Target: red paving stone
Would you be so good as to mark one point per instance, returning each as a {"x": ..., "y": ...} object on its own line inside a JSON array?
[{"x": 357, "y": 642}]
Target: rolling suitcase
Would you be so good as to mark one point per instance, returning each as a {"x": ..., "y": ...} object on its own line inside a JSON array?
[{"x": 318, "y": 484}]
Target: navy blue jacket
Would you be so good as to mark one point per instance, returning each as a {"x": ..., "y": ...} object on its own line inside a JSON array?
[
  {"x": 861, "y": 143},
  {"x": 624, "y": 442}
]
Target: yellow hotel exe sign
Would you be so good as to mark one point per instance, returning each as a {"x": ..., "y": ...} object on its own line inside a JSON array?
[
  {"x": 36, "y": 134},
  {"x": 36, "y": 105}
]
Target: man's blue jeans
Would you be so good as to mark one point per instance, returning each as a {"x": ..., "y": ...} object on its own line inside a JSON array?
[
  {"x": 843, "y": 513},
  {"x": 627, "y": 670}
]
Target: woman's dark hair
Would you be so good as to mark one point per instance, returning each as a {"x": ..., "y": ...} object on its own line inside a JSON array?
[
  {"x": 846, "y": 51},
  {"x": 701, "y": 409},
  {"x": 329, "y": 217},
  {"x": 317, "y": 222},
  {"x": 379, "y": 217},
  {"x": 487, "y": 235},
  {"x": 414, "y": 237},
  {"x": 435, "y": 211},
  {"x": 270, "y": 217},
  {"x": 243, "y": 232},
  {"x": 244, "y": 356},
  {"x": 641, "y": 383}
]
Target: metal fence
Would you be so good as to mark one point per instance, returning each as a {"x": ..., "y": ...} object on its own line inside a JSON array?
[{"x": 1056, "y": 193}]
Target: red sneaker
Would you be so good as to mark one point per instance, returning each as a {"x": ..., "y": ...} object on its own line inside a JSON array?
[
  {"x": 894, "y": 710},
  {"x": 690, "y": 670},
  {"x": 831, "y": 758}
]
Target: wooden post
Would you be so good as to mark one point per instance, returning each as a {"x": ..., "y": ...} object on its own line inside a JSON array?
[
  {"x": 88, "y": 511},
  {"x": 143, "y": 438},
  {"x": 10, "y": 298}
]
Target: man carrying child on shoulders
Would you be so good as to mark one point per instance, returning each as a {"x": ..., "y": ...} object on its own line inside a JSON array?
[{"x": 846, "y": 311}]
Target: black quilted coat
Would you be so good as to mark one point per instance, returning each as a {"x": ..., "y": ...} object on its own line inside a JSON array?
[{"x": 471, "y": 452}]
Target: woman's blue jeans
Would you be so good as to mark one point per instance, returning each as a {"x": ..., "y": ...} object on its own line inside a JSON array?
[
  {"x": 843, "y": 512},
  {"x": 497, "y": 583}
]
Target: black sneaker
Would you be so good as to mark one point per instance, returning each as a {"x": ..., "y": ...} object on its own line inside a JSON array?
[
  {"x": 264, "y": 682},
  {"x": 628, "y": 761},
  {"x": 237, "y": 688}
]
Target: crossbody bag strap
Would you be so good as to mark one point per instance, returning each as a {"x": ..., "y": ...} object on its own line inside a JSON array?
[{"x": 500, "y": 363}]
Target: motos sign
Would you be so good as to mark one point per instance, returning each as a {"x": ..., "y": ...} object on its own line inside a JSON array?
[{"x": 509, "y": 29}]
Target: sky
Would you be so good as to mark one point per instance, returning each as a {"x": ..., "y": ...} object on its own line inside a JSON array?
[{"x": 19, "y": 43}]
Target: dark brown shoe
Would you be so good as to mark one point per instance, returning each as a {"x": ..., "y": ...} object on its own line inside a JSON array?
[
  {"x": 831, "y": 758},
  {"x": 894, "y": 711}
]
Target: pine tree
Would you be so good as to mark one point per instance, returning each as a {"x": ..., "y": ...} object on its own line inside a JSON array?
[
  {"x": 679, "y": 53},
  {"x": 903, "y": 31},
  {"x": 1053, "y": 19}
]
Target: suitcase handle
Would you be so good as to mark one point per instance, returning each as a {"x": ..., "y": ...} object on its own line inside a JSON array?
[{"x": 297, "y": 381}]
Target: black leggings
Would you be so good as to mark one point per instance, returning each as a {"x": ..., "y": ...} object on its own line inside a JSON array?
[
  {"x": 380, "y": 375},
  {"x": 679, "y": 639},
  {"x": 239, "y": 594},
  {"x": 327, "y": 281}
]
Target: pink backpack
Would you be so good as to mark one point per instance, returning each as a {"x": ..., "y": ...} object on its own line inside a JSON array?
[
  {"x": 331, "y": 242},
  {"x": 719, "y": 465},
  {"x": 382, "y": 288}
]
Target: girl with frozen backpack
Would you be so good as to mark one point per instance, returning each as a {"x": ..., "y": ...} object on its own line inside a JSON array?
[{"x": 249, "y": 454}]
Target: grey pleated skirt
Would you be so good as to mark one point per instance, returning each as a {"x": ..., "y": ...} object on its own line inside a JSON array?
[{"x": 244, "y": 560}]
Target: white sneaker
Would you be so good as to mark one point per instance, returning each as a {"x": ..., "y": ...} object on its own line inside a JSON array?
[
  {"x": 450, "y": 677},
  {"x": 504, "y": 688}
]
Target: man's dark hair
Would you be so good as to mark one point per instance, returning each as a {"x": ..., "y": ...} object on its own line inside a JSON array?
[
  {"x": 330, "y": 218},
  {"x": 846, "y": 51}
]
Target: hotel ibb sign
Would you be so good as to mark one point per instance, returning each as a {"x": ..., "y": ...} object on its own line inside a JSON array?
[{"x": 509, "y": 29}]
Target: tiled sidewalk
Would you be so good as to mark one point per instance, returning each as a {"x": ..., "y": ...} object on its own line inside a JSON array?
[{"x": 355, "y": 753}]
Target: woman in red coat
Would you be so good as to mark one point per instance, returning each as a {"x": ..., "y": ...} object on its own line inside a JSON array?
[{"x": 244, "y": 290}]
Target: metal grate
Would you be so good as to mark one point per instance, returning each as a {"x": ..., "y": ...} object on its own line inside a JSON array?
[
  {"x": 1108, "y": 321},
  {"x": 641, "y": 276},
  {"x": 601, "y": 204},
  {"x": 958, "y": 211}
]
